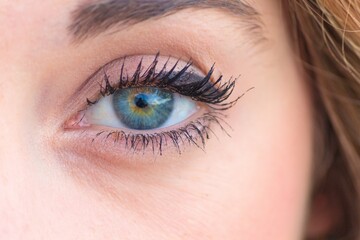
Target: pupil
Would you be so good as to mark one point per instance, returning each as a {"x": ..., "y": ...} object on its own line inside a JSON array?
[{"x": 141, "y": 101}]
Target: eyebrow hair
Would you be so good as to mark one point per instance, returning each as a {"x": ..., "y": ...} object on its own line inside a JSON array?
[{"x": 91, "y": 19}]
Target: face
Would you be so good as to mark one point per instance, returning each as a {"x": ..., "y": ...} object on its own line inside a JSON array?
[{"x": 115, "y": 126}]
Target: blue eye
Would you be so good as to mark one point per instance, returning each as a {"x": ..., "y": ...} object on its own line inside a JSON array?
[{"x": 142, "y": 108}]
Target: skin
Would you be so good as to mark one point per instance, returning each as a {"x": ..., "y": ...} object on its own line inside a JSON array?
[{"x": 254, "y": 185}]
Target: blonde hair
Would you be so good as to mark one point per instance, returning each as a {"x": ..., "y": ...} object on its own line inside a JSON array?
[{"x": 327, "y": 36}]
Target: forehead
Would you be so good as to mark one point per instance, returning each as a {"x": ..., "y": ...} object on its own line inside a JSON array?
[
  {"x": 88, "y": 17},
  {"x": 25, "y": 22}
]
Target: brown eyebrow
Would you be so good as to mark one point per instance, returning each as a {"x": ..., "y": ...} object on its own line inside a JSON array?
[{"x": 91, "y": 19}]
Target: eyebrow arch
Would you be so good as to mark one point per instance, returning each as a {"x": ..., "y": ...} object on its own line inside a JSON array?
[{"x": 91, "y": 19}]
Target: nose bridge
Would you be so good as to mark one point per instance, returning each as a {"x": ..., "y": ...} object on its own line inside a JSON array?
[
  {"x": 15, "y": 180},
  {"x": 21, "y": 170},
  {"x": 12, "y": 184}
]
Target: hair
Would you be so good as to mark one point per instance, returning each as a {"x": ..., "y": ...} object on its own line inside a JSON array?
[{"x": 326, "y": 35}]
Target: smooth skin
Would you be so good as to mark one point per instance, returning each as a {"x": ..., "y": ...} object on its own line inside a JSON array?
[{"x": 254, "y": 185}]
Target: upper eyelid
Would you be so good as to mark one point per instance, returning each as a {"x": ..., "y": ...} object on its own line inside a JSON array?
[
  {"x": 104, "y": 76},
  {"x": 89, "y": 88},
  {"x": 114, "y": 63}
]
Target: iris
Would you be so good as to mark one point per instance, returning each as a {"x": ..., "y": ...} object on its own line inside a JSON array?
[{"x": 143, "y": 108}]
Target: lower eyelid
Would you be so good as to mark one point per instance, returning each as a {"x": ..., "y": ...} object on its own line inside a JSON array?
[{"x": 115, "y": 146}]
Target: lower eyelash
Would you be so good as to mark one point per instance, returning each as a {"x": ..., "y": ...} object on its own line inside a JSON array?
[{"x": 194, "y": 133}]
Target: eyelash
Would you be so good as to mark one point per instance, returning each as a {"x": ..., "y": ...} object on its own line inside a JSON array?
[
  {"x": 205, "y": 91},
  {"x": 213, "y": 93},
  {"x": 190, "y": 134}
]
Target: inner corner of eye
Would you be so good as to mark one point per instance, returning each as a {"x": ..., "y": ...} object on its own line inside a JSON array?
[
  {"x": 77, "y": 120},
  {"x": 146, "y": 108}
]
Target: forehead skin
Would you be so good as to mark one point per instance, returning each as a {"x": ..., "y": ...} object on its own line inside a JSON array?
[{"x": 253, "y": 185}]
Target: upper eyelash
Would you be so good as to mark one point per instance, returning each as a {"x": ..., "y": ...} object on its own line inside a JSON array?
[{"x": 214, "y": 93}]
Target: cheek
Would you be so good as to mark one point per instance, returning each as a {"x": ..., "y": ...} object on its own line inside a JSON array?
[
  {"x": 254, "y": 184},
  {"x": 272, "y": 162}
]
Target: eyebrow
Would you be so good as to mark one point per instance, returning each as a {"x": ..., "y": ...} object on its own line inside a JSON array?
[{"x": 91, "y": 19}]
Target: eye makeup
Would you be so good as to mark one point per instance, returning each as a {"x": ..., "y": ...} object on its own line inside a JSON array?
[
  {"x": 173, "y": 76},
  {"x": 160, "y": 75}
]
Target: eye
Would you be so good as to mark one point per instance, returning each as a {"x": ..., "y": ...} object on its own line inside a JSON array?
[
  {"x": 152, "y": 102},
  {"x": 141, "y": 108}
]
